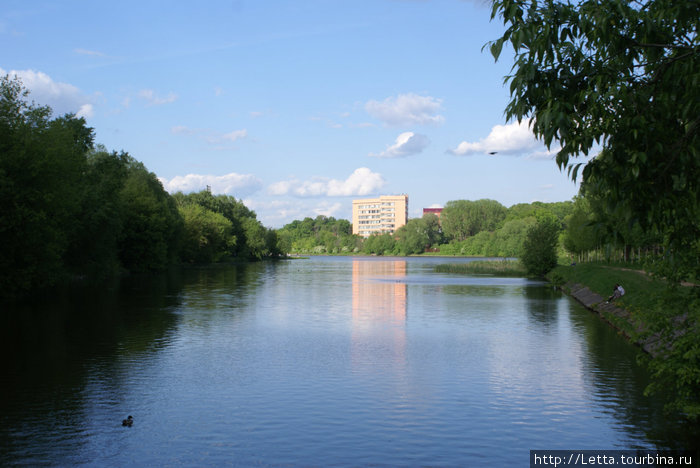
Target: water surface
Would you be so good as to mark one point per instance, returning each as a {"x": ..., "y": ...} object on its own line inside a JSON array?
[{"x": 326, "y": 361}]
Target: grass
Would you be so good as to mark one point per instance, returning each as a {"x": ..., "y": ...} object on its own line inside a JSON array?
[
  {"x": 485, "y": 267},
  {"x": 641, "y": 290}
]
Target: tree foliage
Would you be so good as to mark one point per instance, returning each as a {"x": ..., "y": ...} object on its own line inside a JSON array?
[
  {"x": 625, "y": 77},
  {"x": 151, "y": 224},
  {"x": 580, "y": 235},
  {"x": 622, "y": 76},
  {"x": 540, "y": 247},
  {"x": 41, "y": 169},
  {"x": 72, "y": 210},
  {"x": 507, "y": 237},
  {"x": 225, "y": 228},
  {"x": 207, "y": 235},
  {"x": 323, "y": 234},
  {"x": 418, "y": 234},
  {"x": 379, "y": 244},
  {"x": 464, "y": 218}
]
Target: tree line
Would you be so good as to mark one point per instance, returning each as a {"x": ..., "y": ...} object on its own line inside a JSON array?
[
  {"x": 465, "y": 227},
  {"x": 71, "y": 208}
]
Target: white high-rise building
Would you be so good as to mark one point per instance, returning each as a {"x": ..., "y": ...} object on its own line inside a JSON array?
[{"x": 379, "y": 215}]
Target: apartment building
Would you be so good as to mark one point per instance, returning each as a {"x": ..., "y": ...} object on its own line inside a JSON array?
[
  {"x": 436, "y": 211},
  {"x": 384, "y": 214}
]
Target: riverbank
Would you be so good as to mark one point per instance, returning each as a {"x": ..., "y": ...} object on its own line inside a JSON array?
[{"x": 664, "y": 322}]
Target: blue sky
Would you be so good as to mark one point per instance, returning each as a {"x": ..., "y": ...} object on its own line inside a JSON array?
[{"x": 295, "y": 107}]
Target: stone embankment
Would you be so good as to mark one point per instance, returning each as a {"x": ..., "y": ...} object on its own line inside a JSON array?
[{"x": 619, "y": 318}]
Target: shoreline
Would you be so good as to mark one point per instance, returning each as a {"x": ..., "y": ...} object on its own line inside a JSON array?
[{"x": 612, "y": 314}]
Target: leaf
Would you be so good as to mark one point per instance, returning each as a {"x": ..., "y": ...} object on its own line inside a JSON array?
[{"x": 496, "y": 48}]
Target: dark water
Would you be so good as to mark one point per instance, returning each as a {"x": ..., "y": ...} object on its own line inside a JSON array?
[{"x": 327, "y": 361}]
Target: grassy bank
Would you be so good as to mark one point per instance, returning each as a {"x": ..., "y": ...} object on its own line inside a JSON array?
[
  {"x": 669, "y": 315},
  {"x": 485, "y": 267}
]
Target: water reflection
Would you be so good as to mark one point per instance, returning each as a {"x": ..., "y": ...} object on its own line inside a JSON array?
[
  {"x": 616, "y": 379},
  {"x": 544, "y": 306},
  {"x": 378, "y": 291},
  {"x": 58, "y": 353},
  {"x": 379, "y": 297}
]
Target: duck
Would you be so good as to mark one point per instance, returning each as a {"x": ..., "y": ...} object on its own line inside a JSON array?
[{"x": 128, "y": 422}]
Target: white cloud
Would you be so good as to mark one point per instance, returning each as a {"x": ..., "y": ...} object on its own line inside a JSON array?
[
  {"x": 361, "y": 182},
  {"x": 406, "y": 109},
  {"x": 153, "y": 99},
  {"x": 514, "y": 138},
  {"x": 407, "y": 144},
  {"x": 228, "y": 184},
  {"x": 544, "y": 154},
  {"x": 277, "y": 213},
  {"x": 63, "y": 98},
  {"x": 328, "y": 209},
  {"x": 86, "y": 111},
  {"x": 235, "y": 135}
]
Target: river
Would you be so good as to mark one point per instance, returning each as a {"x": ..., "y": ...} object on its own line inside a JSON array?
[{"x": 325, "y": 361}]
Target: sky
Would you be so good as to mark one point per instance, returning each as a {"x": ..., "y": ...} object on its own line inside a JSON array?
[{"x": 295, "y": 107}]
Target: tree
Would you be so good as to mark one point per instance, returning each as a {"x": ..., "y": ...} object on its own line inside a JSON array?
[
  {"x": 622, "y": 75},
  {"x": 206, "y": 236},
  {"x": 152, "y": 226},
  {"x": 324, "y": 233},
  {"x": 540, "y": 247},
  {"x": 433, "y": 229},
  {"x": 412, "y": 237},
  {"x": 465, "y": 218},
  {"x": 580, "y": 235},
  {"x": 251, "y": 239},
  {"x": 94, "y": 251},
  {"x": 256, "y": 244},
  {"x": 42, "y": 162},
  {"x": 509, "y": 240},
  {"x": 379, "y": 244}
]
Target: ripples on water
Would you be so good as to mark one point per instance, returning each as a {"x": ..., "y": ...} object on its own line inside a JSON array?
[{"x": 328, "y": 361}]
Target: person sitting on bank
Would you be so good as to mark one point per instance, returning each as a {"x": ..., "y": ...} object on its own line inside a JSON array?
[{"x": 618, "y": 292}]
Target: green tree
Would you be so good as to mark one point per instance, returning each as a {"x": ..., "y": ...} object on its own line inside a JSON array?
[
  {"x": 540, "y": 247},
  {"x": 464, "y": 218},
  {"x": 509, "y": 239},
  {"x": 42, "y": 163},
  {"x": 152, "y": 226},
  {"x": 412, "y": 237},
  {"x": 379, "y": 244},
  {"x": 433, "y": 229},
  {"x": 256, "y": 246},
  {"x": 323, "y": 233},
  {"x": 94, "y": 251},
  {"x": 622, "y": 75},
  {"x": 251, "y": 237},
  {"x": 206, "y": 236},
  {"x": 580, "y": 234}
]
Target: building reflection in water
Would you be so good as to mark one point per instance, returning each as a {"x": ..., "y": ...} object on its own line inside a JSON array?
[{"x": 379, "y": 296}]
